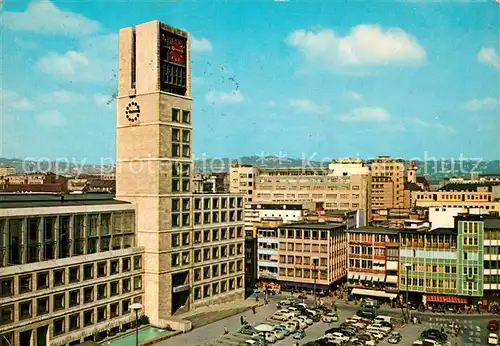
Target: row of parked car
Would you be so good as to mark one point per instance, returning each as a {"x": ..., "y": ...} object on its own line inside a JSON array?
[
  {"x": 291, "y": 320},
  {"x": 360, "y": 331}
]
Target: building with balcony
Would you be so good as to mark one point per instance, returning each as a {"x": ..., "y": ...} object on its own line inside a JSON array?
[
  {"x": 373, "y": 262},
  {"x": 303, "y": 243},
  {"x": 443, "y": 265},
  {"x": 267, "y": 248},
  {"x": 70, "y": 268}
]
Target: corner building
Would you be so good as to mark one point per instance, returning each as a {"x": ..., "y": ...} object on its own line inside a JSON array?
[{"x": 183, "y": 234}]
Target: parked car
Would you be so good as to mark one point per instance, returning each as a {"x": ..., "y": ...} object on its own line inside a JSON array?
[
  {"x": 394, "y": 338},
  {"x": 493, "y": 325},
  {"x": 306, "y": 319},
  {"x": 493, "y": 339},
  {"x": 299, "y": 335},
  {"x": 282, "y": 329},
  {"x": 338, "y": 335},
  {"x": 247, "y": 330},
  {"x": 330, "y": 317}
]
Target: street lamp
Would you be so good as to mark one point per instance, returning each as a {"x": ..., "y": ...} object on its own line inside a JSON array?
[
  {"x": 136, "y": 307},
  {"x": 407, "y": 266},
  {"x": 315, "y": 264}
]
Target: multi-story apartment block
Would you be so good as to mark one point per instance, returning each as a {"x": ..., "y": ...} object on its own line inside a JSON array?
[
  {"x": 346, "y": 184},
  {"x": 388, "y": 192},
  {"x": 194, "y": 244},
  {"x": 312, "y": 252},
  {"x": 444, "y": 264},
  {"x": 373, "y": 260},
  {"x": 242, "y": 180},
  {"x": 254, "y": 214},
  {"x": 267, "y": 248},
  {"x": 70, "y": 268}
]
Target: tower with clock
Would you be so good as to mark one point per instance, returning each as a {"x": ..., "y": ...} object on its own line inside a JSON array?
[{"x": 153, "y": 150}]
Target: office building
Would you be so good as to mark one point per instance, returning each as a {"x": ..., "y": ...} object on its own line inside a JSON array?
[
  {"x": 373, "y": 260},
  {"x": 70, "y": 268},
  {"x": 242, "y": 180},
  {"x": 312, "y": 254},
  {"x": 388, "y": 178}
]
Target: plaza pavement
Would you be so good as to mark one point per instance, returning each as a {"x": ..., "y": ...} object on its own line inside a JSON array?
[{"x": 473, "y": 327}]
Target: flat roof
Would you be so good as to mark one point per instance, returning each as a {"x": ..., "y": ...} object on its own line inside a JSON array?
[
  {"x": 312, "y": 225},
  {"x": 33, "y": 200},
  {"x": 375, "y": 230}
]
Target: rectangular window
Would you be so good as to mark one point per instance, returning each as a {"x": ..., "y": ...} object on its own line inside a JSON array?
[
  {"x": 25, "y": 310},
  {"x": 58, "y": 300},
  {"x": 176, "y": 115},
  {"x": 74, "y": 274},
  {"x": 6, "y": 287},
  {"x": 42, "y": 280},
  {"x": 25, "y": 284},
  {"x": 88, "y": 272},
  {"x": 42, "y": 306},
  {"x": 186, "y": 116},
  {"x": 59, "y": 276}
]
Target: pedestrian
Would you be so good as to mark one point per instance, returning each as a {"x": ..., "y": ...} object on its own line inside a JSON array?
[
  {"x": 226, "y": 331},
  {"x": 242, "y": 320},
  {"x": 253, "y": 310}
]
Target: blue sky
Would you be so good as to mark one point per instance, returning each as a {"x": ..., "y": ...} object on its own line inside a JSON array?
[{"x": 331, "y": 79}]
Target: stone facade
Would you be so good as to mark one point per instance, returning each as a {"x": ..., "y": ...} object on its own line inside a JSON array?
[{"x": 154, "y": 171}]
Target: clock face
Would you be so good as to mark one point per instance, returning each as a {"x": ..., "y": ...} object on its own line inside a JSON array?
[
  {"x": 132, "y": 112},
  {"x": 176, "y": 50}
]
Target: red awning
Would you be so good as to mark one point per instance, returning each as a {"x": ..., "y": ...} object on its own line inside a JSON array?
[{"x": 447, "y": 299}]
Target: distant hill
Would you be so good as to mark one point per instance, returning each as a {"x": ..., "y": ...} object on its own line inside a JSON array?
[{"x": 433, "y": 170}]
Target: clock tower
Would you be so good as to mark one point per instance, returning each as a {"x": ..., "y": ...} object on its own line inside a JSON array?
[{"x": 153, "y": 148}]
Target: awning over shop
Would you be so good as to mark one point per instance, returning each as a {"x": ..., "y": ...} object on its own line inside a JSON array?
[
  {"x": 378, "y": 278},
  {"x": 391, "y": 279},
  {"x": 303, "y": 285},
  {"x": 354, "y": 276},
  {"x": 362, "y": 277},
  {"x": 373, "y": 293},
  {"x": 369, "y": 277},
  {"x": 447, "y": 299}
]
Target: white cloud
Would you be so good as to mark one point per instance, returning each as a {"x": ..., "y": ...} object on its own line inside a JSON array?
[
  {"x": 352, "y": 96},
  {"x": 414, "y": 121},
  {"x": 201, "y": 45},
  {"x": 366, "y": 45},
  {"x": 103, "y": 100},
  {"x": 365, "y": 114},
  {"x": 489, "y": 56},
  {"x": 63, "y": 96},
  {"x": 93, "y": 61},
  {"x": 224, "y": 97},
  {"x": 11, "y": 100},
  {"x": 304, "y": 105},
  {"x": 488, "y": 103},
  {"x": 52, "y": 117},
  {"x": 43, "y": 17}
]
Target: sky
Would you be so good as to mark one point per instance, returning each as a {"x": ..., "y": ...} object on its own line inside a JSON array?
[{"x": 289, "y": 78}]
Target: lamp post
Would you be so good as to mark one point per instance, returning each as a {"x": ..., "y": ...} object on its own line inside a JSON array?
[
  {"x": 315, "y": 264},
  {"x": 136, "y": 307},
  {"x": 407, "y": 266}
]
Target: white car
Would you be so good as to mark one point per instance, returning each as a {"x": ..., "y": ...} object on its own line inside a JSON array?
[
  {"x": 338, "y": 335},
  {"x": 353, "y": 319},
  {"x": 306, "y": 319},
  {"x": 376, "y": 334},
  {"x": 287, "y": 330},
  {"x": 492, "y": 339},
  {"x": 268, "y": 336},
  {"x": 330, "y": 317},
  {"x": 279, "y": 316},
  {"x": 382, "y": 328}
]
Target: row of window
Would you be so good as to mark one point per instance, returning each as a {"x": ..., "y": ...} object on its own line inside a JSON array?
[
  {"x": 322, "y": 262},
  {"x": 217, "y": 270},
  {"x": 216, "y": 288},
  {"x": 309, "y": 234},
  {"x": 300, "y": 247},
  {"x": 64, "y": 276},
  {"x": 42, "y": 306},
  {"x": 176, "y": 116},
  {"x": 304, "y": 273},
  {"x": 213, "y": 253},
  {"x": 207, "y": 236}
]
